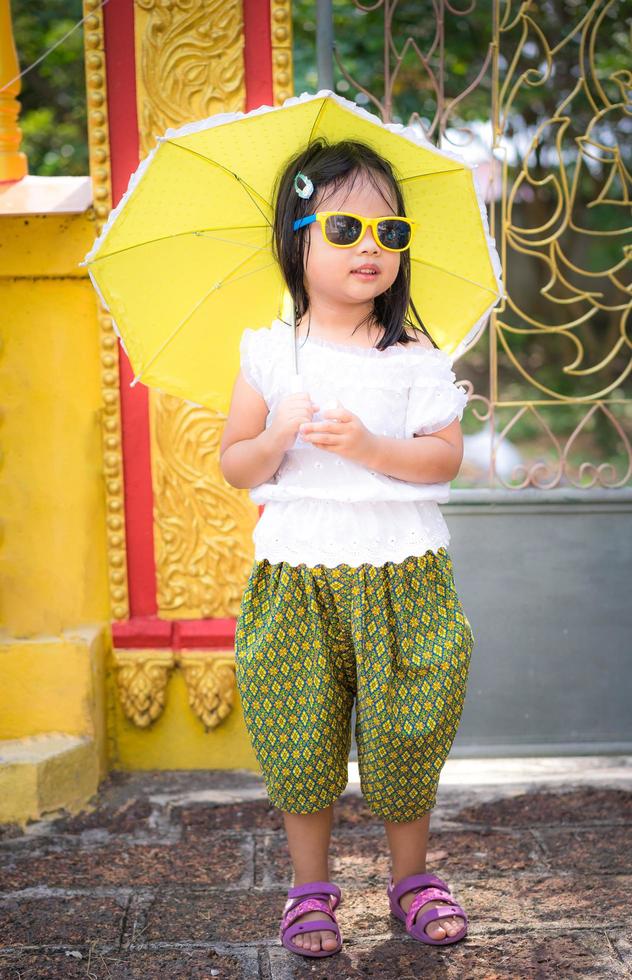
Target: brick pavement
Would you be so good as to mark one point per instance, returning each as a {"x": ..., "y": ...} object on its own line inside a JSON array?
[{"x": 184, "y": 875}]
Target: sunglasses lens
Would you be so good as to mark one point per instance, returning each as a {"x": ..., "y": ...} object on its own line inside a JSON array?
[
  {"x": 394, "y": 233},
  {"x": 342, "y": 229}
]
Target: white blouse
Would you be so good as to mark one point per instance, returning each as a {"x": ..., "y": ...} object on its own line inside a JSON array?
[{"x": 321, "y": 508}]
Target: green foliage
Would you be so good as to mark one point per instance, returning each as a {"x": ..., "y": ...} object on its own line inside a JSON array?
[
  {"x": 53, "y": 117},
  {"x": 359, "y": 40}
]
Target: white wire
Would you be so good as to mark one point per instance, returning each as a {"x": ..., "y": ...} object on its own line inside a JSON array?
[{"x": 52, "y": 48}]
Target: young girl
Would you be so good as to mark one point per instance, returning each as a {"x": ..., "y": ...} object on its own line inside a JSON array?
[{"x": 351, "y": 596}]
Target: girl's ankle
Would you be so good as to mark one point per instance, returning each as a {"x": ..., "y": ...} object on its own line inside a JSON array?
[
  {"x": 406, "y": 874},
  {"x": 303, "y": 880}
]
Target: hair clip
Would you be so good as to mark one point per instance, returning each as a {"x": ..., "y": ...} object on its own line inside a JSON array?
[{"x": 308, "y": 188}]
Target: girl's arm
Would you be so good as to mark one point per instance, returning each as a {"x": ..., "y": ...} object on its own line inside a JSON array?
[
  {"x": 425, "y": 458},
  {"x": 249, "y": 454},
  {"x": 434, "y": 458}
]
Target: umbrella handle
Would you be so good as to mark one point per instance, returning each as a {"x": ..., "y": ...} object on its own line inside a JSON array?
[
  {"x": 294, "y": 354},
  {"x": 297, "y": 381},
  {"x": 288, "y": 309}
]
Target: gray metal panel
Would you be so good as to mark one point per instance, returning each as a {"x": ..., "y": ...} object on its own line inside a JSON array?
[{"x": 544, "y": 578}]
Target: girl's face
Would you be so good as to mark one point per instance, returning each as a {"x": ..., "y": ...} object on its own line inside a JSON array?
[{"x": 329, "y": 278}]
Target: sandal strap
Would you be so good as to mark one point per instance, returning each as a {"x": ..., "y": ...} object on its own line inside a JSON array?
[
  {"x": 312, "y": 925},
  {"x": 416, "y": 883},
  {"x": 442, "y": 912},
  {"x": 309, "y": 905},
  {"x": 314, "y": 888},
  {"x": 301, "y": 927},
  {"x": 430, "y": 895}
]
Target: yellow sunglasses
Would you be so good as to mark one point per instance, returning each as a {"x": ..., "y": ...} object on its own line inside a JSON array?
[{"x": 344, "y": 229}]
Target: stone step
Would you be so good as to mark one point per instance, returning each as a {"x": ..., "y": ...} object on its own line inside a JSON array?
[{"x": 40, "y": 774}]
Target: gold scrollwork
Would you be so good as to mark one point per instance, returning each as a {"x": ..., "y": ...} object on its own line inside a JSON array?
[
  {"x": 210, "y": 680},
  {"x": 141, "y": 679},
  {"x": 189, "y": 63},
  {"x": 202, "y": 525},
  {"x": 566, "y": 189}
]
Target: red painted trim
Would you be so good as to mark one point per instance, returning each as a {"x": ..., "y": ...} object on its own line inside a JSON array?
[
  {"x": 139, "y": 497},
  {"x": 118, "y": 22},
  {"x": 196, "y": 634},
  {"x": 257, "y": 53},
  {"x": 145, "y": 632},
  {"x": 118, "y": 25},
  {"x": 149, "y": 632}
]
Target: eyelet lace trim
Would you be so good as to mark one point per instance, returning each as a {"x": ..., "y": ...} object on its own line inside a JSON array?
[{"x": 325, "y": 533}]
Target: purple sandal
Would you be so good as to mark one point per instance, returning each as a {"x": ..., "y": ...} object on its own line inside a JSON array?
[
  {"x": 429, "y": 888},
  {"x": 312, "y": 897}
]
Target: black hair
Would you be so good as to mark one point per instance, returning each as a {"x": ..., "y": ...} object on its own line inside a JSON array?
[{"x": 330, "y": 166}]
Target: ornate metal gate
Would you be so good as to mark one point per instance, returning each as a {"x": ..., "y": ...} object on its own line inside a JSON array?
[{"x": 539, "y": 89}]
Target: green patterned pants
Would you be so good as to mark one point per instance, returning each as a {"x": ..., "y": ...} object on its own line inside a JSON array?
[{"x": 310, "y": 640}]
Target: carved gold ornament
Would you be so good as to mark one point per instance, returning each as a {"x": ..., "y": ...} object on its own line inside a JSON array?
[
  {"x": 141, "y": 678},
  {"x": 210, "y": 681}
]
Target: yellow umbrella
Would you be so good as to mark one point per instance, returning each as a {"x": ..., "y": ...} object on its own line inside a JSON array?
[{"x": 184, "y": 261}]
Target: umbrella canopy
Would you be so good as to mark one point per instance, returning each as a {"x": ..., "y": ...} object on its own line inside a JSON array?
[{"x": 184, "y": 262}]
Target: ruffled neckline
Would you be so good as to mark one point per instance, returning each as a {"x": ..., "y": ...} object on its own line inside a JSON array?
[{"x": 394, "y": 349}]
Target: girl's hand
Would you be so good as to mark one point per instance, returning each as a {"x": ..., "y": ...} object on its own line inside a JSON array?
[
  {"x": 342, "y": 433},
  {"x": 290, "y": 412}
]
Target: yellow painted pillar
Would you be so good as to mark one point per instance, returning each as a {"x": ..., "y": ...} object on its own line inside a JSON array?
[
  {"x": 54, "y": 611},
  {"x": 13, "y": 164}
]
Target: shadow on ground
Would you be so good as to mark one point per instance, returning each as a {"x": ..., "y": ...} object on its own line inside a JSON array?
[{"x": 184, "y": 875}]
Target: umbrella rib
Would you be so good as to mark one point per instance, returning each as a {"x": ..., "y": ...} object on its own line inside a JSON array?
[
  {"x": 179, "y": 326},
  {"x": 321, "y": 109},
  {"x": 432, "y": 173},
  {"x": 455, "y": 275},
  {"x": 201, "y": 232},
  {"x": 249, "y": 190}
]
